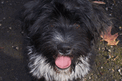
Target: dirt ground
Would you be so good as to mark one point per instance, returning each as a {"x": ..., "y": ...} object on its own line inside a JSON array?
[{"x": 108, "y": 64}]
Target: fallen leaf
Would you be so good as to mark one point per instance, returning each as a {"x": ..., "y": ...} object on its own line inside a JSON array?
[
  {"x": 115, "y": 58},
  {"x": 98, "y": 2},
  {"x": 111, "y": 39}
]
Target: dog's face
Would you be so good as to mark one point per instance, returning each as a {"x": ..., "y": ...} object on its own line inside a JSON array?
[
  {"x": 60, "y": 35},
  {"x": 62, "y": 43}
]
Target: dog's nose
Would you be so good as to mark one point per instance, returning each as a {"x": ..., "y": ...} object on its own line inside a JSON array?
[{"x": 64, "y": 49}]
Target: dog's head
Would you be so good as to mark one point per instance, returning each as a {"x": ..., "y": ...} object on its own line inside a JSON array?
[{"x": 61, "y": 35}]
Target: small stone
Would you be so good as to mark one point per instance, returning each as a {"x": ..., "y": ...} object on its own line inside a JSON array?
[
  {"x": 106, "y": 8},
  {"x": 120, "y": 71},
  {"x": 22, "y": 32},
  {"x": 101, "y": 67},
  {"x": 110, "y": 14},
  {"x": 17, "y": 48},
  {"x": 109, "y": 56},
  {"x": 109, "y": 50},
  {"x": 99, "y": 48},
  {"x": 111, "y": 8},
  {"x": 89, "y": 77},
  {"x": 111, "y": 46},
  {"x": 4, "y": 18},
  {"x": 109, "y": 69},
  {"x": 10, "y": 28},
  {"x": 2, "y": 2},
  {"x": 120, "y": 28},
  {"x": 113, "y": 4}
]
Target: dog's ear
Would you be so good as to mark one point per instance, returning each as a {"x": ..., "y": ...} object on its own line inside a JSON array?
[
  {"x": 101, "y": 21},
  {"x": 27, "y": 16},
  {"x": 30, "y": 14}
]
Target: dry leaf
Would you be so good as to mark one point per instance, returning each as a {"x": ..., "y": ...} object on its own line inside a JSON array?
[
  {"x": 111, "y": 39},
  {"x": 99, "y": 2}
]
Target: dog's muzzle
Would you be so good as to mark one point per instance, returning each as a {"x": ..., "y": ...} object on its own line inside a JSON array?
[{"x": 63, "y": 61}]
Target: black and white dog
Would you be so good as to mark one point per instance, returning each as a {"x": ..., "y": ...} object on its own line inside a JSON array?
[{"x": 61, "y": 36}]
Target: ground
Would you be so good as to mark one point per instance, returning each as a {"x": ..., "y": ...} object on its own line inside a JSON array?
[{"x": 108, "y": 64}]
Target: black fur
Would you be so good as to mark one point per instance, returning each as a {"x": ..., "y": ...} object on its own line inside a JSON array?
[{"x": 61, "y": 27}]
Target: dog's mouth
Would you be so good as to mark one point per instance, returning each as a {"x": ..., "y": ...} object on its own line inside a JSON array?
[{"x": 63, "y": 62}]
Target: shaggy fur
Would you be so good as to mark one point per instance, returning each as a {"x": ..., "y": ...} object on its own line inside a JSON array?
[{"x": 61, "y": 27}]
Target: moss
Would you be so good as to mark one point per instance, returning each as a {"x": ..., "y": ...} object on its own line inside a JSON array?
[{"x": 107, "y": 63}]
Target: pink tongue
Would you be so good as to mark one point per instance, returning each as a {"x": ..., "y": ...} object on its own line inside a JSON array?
[{"x": 63, "y": 62}]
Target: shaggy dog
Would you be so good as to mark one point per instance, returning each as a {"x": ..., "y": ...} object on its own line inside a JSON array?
[{"x": 61, "y": 35}]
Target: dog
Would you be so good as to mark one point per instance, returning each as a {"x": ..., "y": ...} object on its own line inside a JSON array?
[{"x": 61, "y": 36}]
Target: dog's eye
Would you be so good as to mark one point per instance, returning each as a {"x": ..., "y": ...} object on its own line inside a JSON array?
[{"x": 77, "y": 26}]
